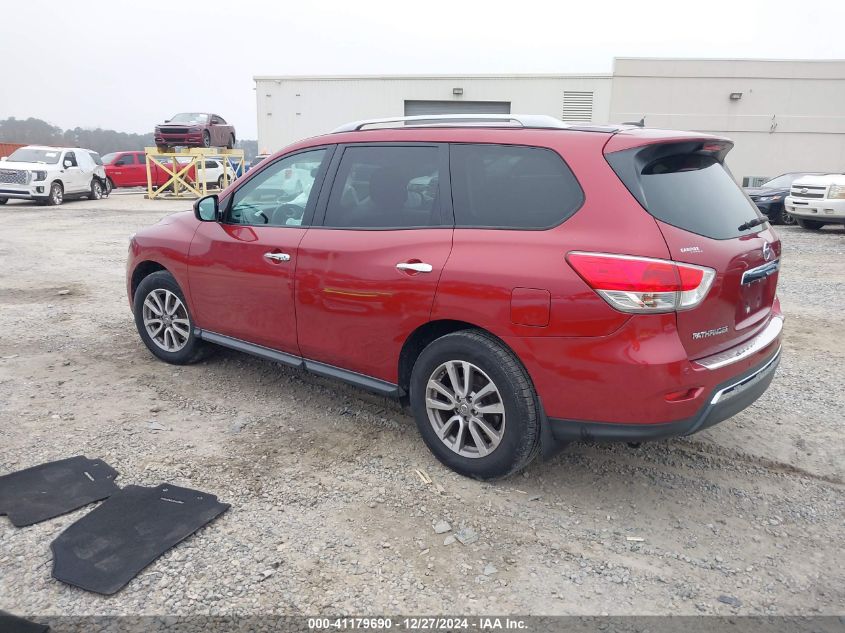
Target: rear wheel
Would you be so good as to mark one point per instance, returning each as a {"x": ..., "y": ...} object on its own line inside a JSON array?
[
  {"x": 3, "y": 200},
  {"x": 109, "y": 186},
  {"x": 475, "y": 406},
  {"x": 57, "y": 194},
  {"x": 163, "y": 320},
  {"x": 96, "y": 190},
  {"x": 812, "y": 225}
]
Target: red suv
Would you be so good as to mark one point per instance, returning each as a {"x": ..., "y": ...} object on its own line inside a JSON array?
[{"x": 520, "y": 282}]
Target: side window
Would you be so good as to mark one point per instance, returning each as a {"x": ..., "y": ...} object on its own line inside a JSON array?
[
  {"x": 126, "y": 159},
  {"x": 216, "y": 120},
  {"x": 279, "y": 195},
  {"x": 386, "y": 187},
  {"x": 510, "y": 186},
  {"x": 72, "y": 158},
  {"x": 210, "y": 164}
]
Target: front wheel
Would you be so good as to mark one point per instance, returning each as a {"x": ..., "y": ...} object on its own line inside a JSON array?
[
  {"x": 221, "y": 182},
  {"x": 475, "y": 405},
  {"x": 231, "y": 143},
  {"x": 163, "y": 320},
  {"x": 109, "y": 187},
  {"x": 96, "y": 190},
  {"x": 206, "y": 139},
  {"x": 811, "y": 225},
  {"x": 57, "y": 194},
  {"x": 3, "y": 200},
  {"x": 786, "y": 218}
]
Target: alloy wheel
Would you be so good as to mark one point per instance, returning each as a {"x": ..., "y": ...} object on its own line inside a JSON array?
[
  {"x": 57, "y": 194},
  {"x": 166, "y": 320},
  {"x": 787, "y": 219},
  {"x": 465, "y": 409}
]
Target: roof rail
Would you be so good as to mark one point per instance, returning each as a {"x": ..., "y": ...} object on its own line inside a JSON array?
[{"x": 536, "y": 121}]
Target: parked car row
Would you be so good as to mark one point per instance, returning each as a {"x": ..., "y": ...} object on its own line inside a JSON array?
[
  {"x": 129, "y": 169},
  {"x": 810, "y": 199},
  {"x": 51, "y": 175}
]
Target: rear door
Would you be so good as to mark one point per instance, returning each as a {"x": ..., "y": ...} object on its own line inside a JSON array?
[
  {"x": 703, "y": 215},
  {"x": 367, "y": 277}
]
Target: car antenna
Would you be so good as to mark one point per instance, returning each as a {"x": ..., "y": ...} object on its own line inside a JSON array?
[{"x": 640, "y": 123}]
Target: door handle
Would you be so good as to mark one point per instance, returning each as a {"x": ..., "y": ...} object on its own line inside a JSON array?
[
  {"x": 418, "y": 267},
  {"x": 277, "y": 257}
]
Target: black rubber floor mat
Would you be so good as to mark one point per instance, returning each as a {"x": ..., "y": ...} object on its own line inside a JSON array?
[
  {"x": 13, "y": 624},
  {"x": 107, "y": 547},
  {"x": 55, "y": 488}
]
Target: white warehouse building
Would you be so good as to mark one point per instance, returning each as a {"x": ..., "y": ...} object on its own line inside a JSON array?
[{"x": 783, "y": 115}]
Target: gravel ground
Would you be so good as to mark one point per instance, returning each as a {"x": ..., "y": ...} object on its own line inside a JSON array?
[{"x": 329, "y": 514}]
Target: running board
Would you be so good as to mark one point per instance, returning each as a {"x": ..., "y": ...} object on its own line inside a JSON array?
[{"x": 376, "y": 385}]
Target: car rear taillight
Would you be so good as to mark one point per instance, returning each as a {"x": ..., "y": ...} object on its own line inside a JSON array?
[{"x": 643, "y": 284}]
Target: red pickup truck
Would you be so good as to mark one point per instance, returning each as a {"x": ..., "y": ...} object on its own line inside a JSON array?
[{"x": 129, "y": 169}]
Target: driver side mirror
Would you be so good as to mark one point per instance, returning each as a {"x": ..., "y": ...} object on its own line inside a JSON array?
[
  {"x": 207, "y": 209},
  {"x": 67, "y": 164}
]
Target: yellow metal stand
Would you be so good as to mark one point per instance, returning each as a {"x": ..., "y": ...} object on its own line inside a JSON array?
[{"x": 178, "y": 164}]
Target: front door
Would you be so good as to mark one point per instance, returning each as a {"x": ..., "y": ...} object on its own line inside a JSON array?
[
  {"x": 241, "y": 270},
  {"x": 367, "y": 276}
]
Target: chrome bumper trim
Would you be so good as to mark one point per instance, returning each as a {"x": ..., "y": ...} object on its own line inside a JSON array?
[
  {"x": 744, "y": 382},
  {"x": 738, "y": 353}
]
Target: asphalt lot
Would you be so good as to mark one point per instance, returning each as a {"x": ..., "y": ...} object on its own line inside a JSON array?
[{"x": 329, "y": 513}]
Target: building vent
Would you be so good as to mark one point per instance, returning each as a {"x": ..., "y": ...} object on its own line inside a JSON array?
[{"x": 577, "y": 105}]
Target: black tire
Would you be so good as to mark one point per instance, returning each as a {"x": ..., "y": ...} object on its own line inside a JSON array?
[
  {"x": 520, "y": 441},
  {"x": 193, "y": 349},
  {"x": 57, "y": 194},
  {"x": 231, "y": 143},
  {"x": 206, "y": 139},
  {"x": 785, "y": 218},
  {"x": 109, "y": 187},
  {"x": 3, "y": 201},
  {"x": 221, "y": 182},
  {"x": 810, "y": 225},
  {"x": 96, "y": 190}
]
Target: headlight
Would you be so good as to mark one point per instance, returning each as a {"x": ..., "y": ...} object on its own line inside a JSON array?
[
  {"x": 837, "y": 191},
  {"x": 770, "y": 198},
  {"x": 39, "y": 175},
  {"x": 195, "y": 129}
]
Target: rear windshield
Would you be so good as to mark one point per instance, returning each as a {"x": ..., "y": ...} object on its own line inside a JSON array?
[{"x": 690, "y": 190}]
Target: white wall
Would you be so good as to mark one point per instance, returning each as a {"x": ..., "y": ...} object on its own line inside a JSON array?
[
  {"x": 292, "y": 108},
  {"x": 791, "y": 116}
]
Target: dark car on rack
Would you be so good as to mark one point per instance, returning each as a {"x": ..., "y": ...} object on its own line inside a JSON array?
[
  {"x": 195, "y": 129},
  {"x": 770, "y": 195}
]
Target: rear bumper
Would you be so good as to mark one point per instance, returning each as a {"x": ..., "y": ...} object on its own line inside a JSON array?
[{"x": 725, "y": 400}]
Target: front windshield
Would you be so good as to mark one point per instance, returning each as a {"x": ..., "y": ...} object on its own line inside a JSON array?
[
  {"x": 782, "y": 181},
  {"x": 33, "y": 155},
  {"x": 190, "y": 117}
]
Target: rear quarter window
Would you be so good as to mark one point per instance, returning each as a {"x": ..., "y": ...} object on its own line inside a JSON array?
[{"x": 511, "y": 187}]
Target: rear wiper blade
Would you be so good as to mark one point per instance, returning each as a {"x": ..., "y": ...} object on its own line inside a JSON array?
[{"x": 751, "y": 224}]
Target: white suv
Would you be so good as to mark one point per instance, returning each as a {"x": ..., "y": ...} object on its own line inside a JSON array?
[
  {"x": 817, "y": 200},
  {"x": 49, "y": 175}
]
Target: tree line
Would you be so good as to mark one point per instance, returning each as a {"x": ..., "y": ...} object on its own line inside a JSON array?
[{"x": 34, "y": 131}]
